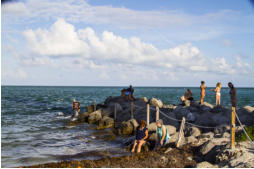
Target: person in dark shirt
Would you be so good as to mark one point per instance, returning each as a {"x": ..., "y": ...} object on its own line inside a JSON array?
[
  {"x": 232, "y": 94},
  {"x": 141, "y": 136}
]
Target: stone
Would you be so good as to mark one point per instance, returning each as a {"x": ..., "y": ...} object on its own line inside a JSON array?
[
  {"x": 152, "y": 127},
  {"x": 190, "y": 139},
  {"x": 170, "y": 106},
  {"x": 205, "y": 164},
  {"x": 168, "y": 150},
  {"x": 94, "y": 117},
  {"x": 128, "y": 127},
  {"x": 191, "y": 117},
  {"x": 83, "y": 117},
  {"x": 171, "y": 129},
  {"x": 226, "y": 135},
  {"x": 90, "y": 108},
  {"x": 192, "y": 131},
  {"x": 208, "y": 135},
  {"x": 106, "y": 122},
  {"x": 173, "y": 138},
  {"x": 144, "y": 99},
  {"x": 207, "y": 147},
  {"x": 248, "y": 108},
  {"x": 153, "y": 137},
  {"x": 155, "y": 102}
]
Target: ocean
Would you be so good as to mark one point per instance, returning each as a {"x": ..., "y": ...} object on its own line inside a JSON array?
[{"x": 35, "y": 121}]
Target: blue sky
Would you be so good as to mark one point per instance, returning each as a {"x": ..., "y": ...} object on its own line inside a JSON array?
[{"x": 115, "y": 42}]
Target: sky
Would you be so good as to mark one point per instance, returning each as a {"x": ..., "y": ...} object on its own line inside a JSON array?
[{"x": 122, "y": 42}]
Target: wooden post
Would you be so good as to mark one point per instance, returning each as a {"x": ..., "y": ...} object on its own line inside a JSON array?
[
  {"x": 157, "y": 113},
  {"x": 94, "y": 105},
  {"x": 115, "y": 116},
  {"x": 181, "y": 133},
  {"x": 147, "y": 114},
  {"x": 233, "y": 128},
  {"x": 132, "y": 110}
]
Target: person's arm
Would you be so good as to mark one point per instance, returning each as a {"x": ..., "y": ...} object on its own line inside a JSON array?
[
  {"x": 146, "y": 134},
  {"x": 163, "y": 134}
]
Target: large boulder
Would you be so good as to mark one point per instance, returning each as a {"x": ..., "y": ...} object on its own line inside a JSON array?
[
  {"x": 94, "y": 117},
  {"x": 169, "y": 106},
  {"x": 152, "y": 127},
  {"x": 153, "y": 137},
  {"x": 171, "y": 129},
  {"x": 128, "y": 127},
  {"x": 155, "y": 102},
  {"x": 144, "y": 99},
  {"x": 83, "y": 117},
  {"x": 190, "y": 140},
  {"x": 181, "y": 112}
]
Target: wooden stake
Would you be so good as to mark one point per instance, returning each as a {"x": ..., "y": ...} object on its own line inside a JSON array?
[
  {"x": 132, "y": 110},
  {"x": 181, "y": 133},
  {"x": 94, "y": 105},
  {"x": 233, "y": 128},
  {"x": 147, "y": 114},
  {"x": 157, "y": 113}
]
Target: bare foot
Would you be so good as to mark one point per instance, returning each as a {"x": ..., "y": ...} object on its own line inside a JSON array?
[{"x": 132, "y": 150}]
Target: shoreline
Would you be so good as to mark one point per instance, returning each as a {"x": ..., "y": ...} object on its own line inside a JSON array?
[{"x": 204, "y": 147}]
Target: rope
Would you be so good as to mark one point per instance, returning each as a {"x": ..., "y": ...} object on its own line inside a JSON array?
[
  {"x": 244, "y": 129},
  {"x": 171, "y": 118}
]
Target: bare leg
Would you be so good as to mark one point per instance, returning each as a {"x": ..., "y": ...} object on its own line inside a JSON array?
[
  {"x": 141, "y": 142},
  {"x": 134, "y": 146},
  {"x": 219, "y": 100}
]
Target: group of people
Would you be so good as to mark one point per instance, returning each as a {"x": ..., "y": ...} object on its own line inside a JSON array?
[
  {"x": 217, "y": 90},
  {"x": 163, "y": 136}
]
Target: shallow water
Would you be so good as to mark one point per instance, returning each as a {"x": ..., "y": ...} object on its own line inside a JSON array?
[{"x": 33, "y": 130}]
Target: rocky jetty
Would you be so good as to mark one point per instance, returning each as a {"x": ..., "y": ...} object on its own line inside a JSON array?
[{"x": 206, "y": 141}]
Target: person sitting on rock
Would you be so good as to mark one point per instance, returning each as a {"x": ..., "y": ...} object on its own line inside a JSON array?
[
  {"x": 202, "y": 93},
  {"x": 187, "y": 96},
  {"x": 141, "y": 136},
  {"x": 76, "y": 108},
  {"x": 162, "y": 134}
]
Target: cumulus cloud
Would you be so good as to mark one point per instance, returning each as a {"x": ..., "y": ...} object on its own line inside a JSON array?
[{"x": 89, "y": 50}]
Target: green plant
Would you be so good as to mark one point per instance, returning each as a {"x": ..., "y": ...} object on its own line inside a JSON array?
[{"x": 242, "y": 137}]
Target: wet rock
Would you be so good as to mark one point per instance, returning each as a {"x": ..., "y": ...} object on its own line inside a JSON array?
[
  {"x": 94, "y": 117},
  {"x": 128, "y": 127},
  {"x": 191, "y": 117},
  {"x": 205, "y": 164},
  {"x": 155, "y": 102},
  {"x": 207, "y": 147},
  {"x": 83, "y": 117},
  {"x": 181, "y": 112},
  {"x": 105, "y": 122}
]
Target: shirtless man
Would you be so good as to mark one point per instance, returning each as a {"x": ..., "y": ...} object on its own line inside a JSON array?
[{"x": 202, "y": 93}]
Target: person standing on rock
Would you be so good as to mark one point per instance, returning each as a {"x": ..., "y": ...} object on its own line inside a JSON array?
[
  {"x": 232, "y": 94},
  {"x": 76, "y": 108},
  {"x": 217, "y": 91},
  {"x": 187, "y": 96},
  {"x": 141, "y": 136},
  {"x": 202, "y": 93},
  {"x": 162, "y": 133}
]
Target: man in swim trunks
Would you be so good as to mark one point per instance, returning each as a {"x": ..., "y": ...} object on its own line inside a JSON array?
[{"x": 202, "y": 93}]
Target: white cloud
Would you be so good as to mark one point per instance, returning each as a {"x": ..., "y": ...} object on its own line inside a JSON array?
[
  {"x": 85, "y": 49},
  {"x": 14, "y": 74},
  {"x": 227, "y": 42},
  {"x": 15, "y": 8}
]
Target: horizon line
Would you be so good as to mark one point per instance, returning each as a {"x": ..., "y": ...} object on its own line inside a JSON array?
[{"x": 108, "y": 86}]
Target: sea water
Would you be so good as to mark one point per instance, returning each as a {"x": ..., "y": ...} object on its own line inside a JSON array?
[{"x": 35, "y": 120}]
